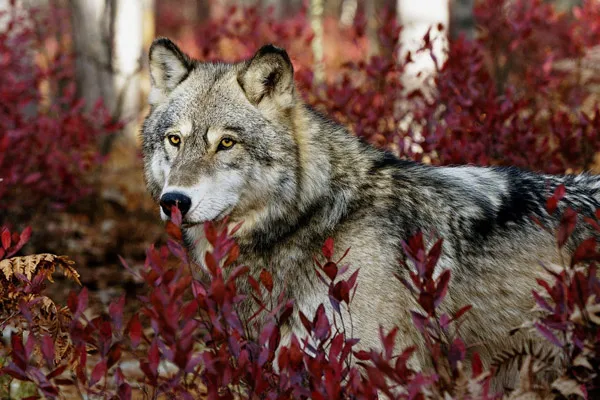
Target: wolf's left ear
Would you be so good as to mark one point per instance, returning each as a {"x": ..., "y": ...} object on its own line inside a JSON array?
[
  {"x": 169, "y": 66},
  {"x": 269, "y": 74}
]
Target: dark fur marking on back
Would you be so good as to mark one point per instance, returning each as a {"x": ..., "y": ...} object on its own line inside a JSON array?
[
  {"x": 524, "y": 199},
  {"x": 389, "y": 160}
]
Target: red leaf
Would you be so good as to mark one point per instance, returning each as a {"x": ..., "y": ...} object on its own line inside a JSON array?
[
  {"x": 419, "y": 320},
  {"x": 321, "y": 324},
  {"x": 305, "y": 321},
  {"x": 210, "y": 233},
  {"x": 14, "y": 373},
  {"x": 125, "y": 392},
  {"x": 237, "y": 272},
  {"x": 32, "y": 178},
  {"x": 57, "y": 371},
  {"x": 426, "y": 301},
  {"x": 593, "y": 223},
  {"x": 442, "y": 287},
  {"x": 72, "y": 302},
  {"x": 476, "y": 365},
  {"x": 552, "y": 202},
  {"x": 47, "y": 345},
  {"x": 352, "y": 280},
  {"x": 217, "y": 289},
  {"x": 362, "y": 355},
  {"x": 457, "y": 352},
  {"x": 266, "y": 279},
  {"x": 154, "y": 357},
  {"x": 25, "y": 236},
  {"x": 190, "y": 309},
  {"x": 82, "y": 301},
  {"x": 115, "y": 309},
  {"x": 461, "y": 312},
  {"x": 433, "y": 256},
  {"x": 388, "y": 341},
  {"x": 5, "y": 239},
  {"x": 585, "y": 252},
  {"x": 341, "y": 292},
  {"x": 540, "y": 301},
  {"x": 114, "y": 355},
  {"x": 135, "y": 330},
  {"x": 566, "y": 226},
  {"x": 18, "y": 351},
  {"x": 331, "y": 270},
  {"x": 211, "y": 264},
  {"x": 173, "y": 230},
  {"x": 98, "y": 372},
  {"x": 232, "y": 255},
  {"x": 176, "y": 216},
  {"x": 328, "y": 249},
  {"x": 547, "y": 333}
]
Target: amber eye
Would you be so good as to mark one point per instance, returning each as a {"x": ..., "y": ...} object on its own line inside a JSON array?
[
  {"x": 226, "y": 144},
  {"x": 174, "y": 140}
]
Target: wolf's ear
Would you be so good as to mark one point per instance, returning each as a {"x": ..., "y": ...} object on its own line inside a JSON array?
[
  {"x": 269, "y": 74},
  {"x": 169, "y": 66}
]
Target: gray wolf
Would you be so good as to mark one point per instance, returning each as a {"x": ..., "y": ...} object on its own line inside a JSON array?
[{"x": 237, "y": 140}]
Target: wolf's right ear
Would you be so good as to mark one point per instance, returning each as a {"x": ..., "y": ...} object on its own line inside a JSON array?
[
  {"x": 169, "y": 66},
  {"x": 268, "y": 75}
]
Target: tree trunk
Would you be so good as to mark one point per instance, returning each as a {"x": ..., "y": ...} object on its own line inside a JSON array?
[
  {"x": 107, "y": 38},
  {"x": 283, "y": 8},
  {"x": 417, "y": 18},
  {"x": 462, "y": 20},
  {"x": 371, "y": 12},
  {"x": 348, "y": 13},
  {"x": 316, "y": 23}
]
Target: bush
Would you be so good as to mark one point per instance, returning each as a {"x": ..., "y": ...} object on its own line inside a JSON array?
[
  {"x": 190, "y": 340},
  {"x": 48, "y": 142}
]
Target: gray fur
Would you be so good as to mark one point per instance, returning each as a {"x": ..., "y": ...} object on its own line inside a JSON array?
[{"x": 300, "y": 178}]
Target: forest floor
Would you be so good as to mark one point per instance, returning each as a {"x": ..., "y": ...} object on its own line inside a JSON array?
[{"x": 120, "y": 220}]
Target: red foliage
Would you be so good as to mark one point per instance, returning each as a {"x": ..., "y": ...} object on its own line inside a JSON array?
[
  {"x": 47, "y": 141},
  {"x": 193, "y": 329}
]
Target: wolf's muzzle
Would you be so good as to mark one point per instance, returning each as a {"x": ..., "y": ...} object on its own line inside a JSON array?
[{"x": 170, "y": 199}]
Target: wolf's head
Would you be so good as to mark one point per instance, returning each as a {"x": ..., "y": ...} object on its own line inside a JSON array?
[{"x": 219, "y": 137}]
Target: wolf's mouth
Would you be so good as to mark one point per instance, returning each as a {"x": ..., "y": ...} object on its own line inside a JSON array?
[{"x": 220, "y": 216}]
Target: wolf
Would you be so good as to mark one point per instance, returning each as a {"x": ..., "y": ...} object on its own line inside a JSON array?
[{"x": 236, "y": 140}]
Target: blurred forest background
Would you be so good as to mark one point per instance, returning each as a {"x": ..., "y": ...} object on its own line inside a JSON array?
[{"x": 441, "y": 81}]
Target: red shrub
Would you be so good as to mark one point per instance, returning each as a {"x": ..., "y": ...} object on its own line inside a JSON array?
[{"x": 47, "y": 141}]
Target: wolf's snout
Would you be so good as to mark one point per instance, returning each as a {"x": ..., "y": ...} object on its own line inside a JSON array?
[{"x": 171, "y": 199}]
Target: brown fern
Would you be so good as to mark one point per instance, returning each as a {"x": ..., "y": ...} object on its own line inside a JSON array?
[
  {"x": 44, "y": 263},
  {"x": 543, "y": 356}
]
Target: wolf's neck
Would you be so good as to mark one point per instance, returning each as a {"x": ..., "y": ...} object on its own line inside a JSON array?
[{"x": 327, "y": 177}]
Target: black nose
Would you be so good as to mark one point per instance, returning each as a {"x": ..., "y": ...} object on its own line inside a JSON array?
[{"x": 171, "y": 199}]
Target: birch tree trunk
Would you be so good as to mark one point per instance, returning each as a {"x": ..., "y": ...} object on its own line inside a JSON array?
[
  {"x": 283, "y": 8},
  {"x": 371, "y": 10},
  {"x": 462, "y": 20},
  {"x": 417, "y": 17},
  {"x": 316, "y": 23},
  {"x": 348, "y": 12},
  {"x": 107, "y": 38}
]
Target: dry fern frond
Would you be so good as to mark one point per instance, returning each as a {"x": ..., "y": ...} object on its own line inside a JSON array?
[
  {"x": 35, "y": 264},
  {"x": 544, "y": 357},
  {"x": 527, "y": 389}
]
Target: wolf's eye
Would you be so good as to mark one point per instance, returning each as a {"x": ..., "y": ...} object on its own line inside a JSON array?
[
  {"x": 225, "y": 144},
  {"x": 174, "y": 140}
]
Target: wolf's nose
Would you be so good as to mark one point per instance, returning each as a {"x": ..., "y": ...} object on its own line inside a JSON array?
[{"x": 171, "y": 199}]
